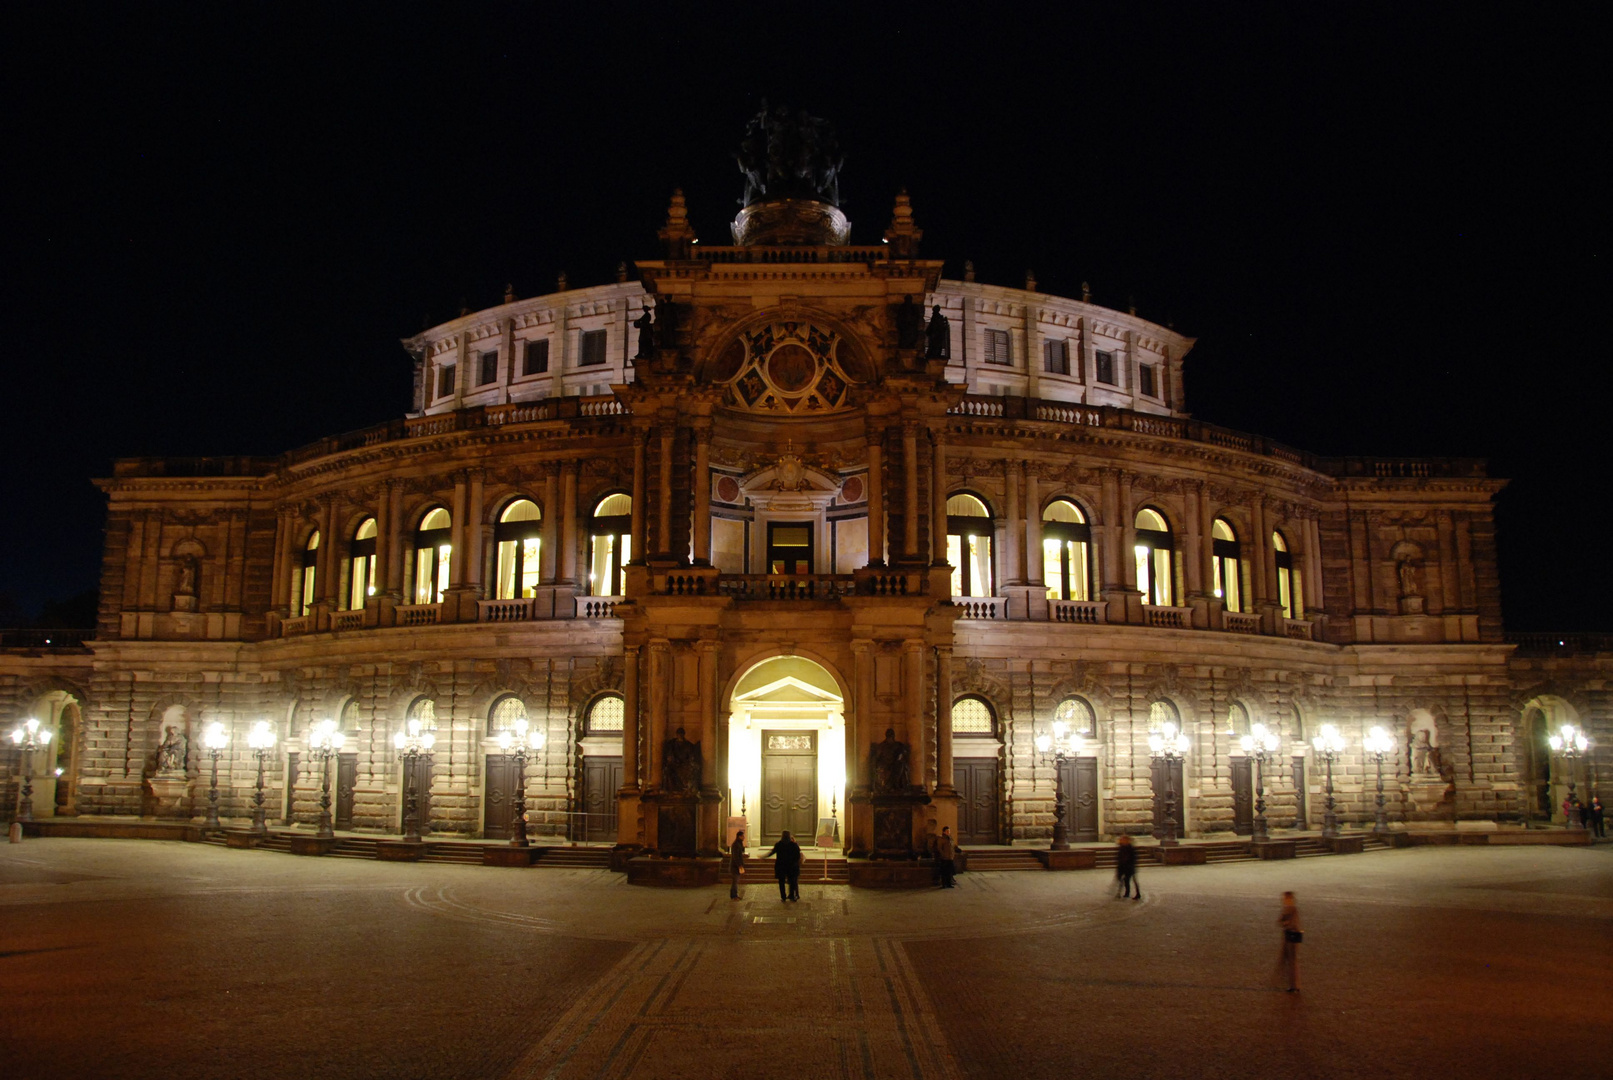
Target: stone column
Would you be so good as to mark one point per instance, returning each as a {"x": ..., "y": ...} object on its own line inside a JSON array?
[
  {"x": 280, "y": 580},
  {"x": 913, "y": 677},
  {"x": 637, "y": 539},
  {"x": 1313, "y": 565},
  {"x": 702, "y": 493},
  {"x": 1261, "y": 568},
  {"x": 1449, "y": 594},
  {"x": 568, "y": 523},
  {"x": 938, "y": 499},
  {"x": 630, "y": 726},
  {"x": 1128, "y": 535},
  {"x": 1033, "y": 526},
  {"x": 910, "y": 489},
  {"x": 663, "y": 537},
  {"x": 658, "y": 694},
  {"x": 859, "y": 817},
  {"x": 1111, "y": 574},
  {"x": 706, "y": 654},
  {"x": 384, "y": 513},
  {"x": 1013, "y": 572},
  {"x": 474, "y": 533},
  {"x": 330, "y": 561},
  {"x": 552, "y": 515},
  {"x": 456, "y": 557},
  {"x": 943, "y": 720},
  {"x": 876, "y": 497}
]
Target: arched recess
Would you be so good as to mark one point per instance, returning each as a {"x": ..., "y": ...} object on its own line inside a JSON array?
[
  {"x": 977, "y": 769},
  {"x": 58, "y": 706},
  {"x": 786, "y": 746},
  {"x": 1169, "y": 777},
  {"x": 1080, "y": 770},
  {"x": 600, "y": 723},
  {"x": 1544, "y": 774}
]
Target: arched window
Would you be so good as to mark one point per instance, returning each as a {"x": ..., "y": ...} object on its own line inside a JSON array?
[
  {"x": 1078, "y": 714},
  {"x": 1066, "y": 551},
  {"x": 433, "y": 548},
  {"x": 504, "y": 713},
  {"x": 1161, "y": 713},
  {"x": 361, "y": 566},
  {"x": 606, "y": 714},
  {"x": 350, "y": 720},
  {"x": 1237, "y": 719},
  {"x": 969, "y": 532},
  {"x": 1227, "y": 556},
  {"x": 302, "y": 578},
  {"x": 1155, "y": 560},
  {"x": 610, "y": 543},
  {"x": 972, "y": 716},
  {"x": 1287, "y": 578},
  {"x": 424, "y": 710},
  {"x": 517, "y": 535}
]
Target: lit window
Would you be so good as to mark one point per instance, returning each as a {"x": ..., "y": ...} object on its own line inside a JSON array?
[
  {"x": 302, "y": 585},
  {"x": 1288, "y": 595},
  {"x": 606, "y": 715},
  {"x": 609, "y": 544},
  {"x": 518, "y": 537},
  {"x": 433, "y": 548},
  {"x": 1154, "y": 551},
  {"x": 998, "y": 350},
  {"x": 535, "y": 360},
  {"x": 424, "y": 710},
  {"x": 1237, "y": 719},
  {"x": 1227, "y": 557},
  {"x": 1106, "y": 367},
  {"x": 591, "y": 348},
  {"x": 971, "y": 716},
  {"x": 361, "y": 566},
  {"x": 1066, "y": 551},
  {"x": 969, "y": 535},
  {"x": 1078, "y": 715},
  {"x": 506, "y": 711}
]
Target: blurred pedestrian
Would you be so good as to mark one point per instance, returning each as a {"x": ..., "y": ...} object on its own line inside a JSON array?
[
  {"x": 786, "y": 856},
  {"x": 1596, "y": 815},
  {"x": 945, "y": 853},
  {"x": 1126, "y": 869},
  {"x": 1288, "y": 962},
  {"x": 736, "y": 864}
]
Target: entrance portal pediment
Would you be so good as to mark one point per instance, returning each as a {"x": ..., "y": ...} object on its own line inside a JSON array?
[{"x": 788, "y": 690}]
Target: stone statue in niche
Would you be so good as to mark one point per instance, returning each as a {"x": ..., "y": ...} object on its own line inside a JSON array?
[
  {"x": 187, "y": 578},
  {"x": 909, "y": 324},
  {"x": 938, "y": 336},
  {"x": 680, "y": 765},
  {"x": 646, "y": 334},
  {"x": 888, "y": 763},
  {"x": 1425, "y": 756},
  {"x": 171, "y": 751},
  {"x": 1406, "y": 571}
]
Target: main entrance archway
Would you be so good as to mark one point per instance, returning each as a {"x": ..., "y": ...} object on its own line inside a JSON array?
[{"x": 786, "y": 749}]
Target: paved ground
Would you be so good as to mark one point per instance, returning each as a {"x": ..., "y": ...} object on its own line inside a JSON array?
[{"x": 136, "y": 959}]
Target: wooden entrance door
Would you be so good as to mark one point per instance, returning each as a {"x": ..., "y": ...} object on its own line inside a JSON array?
[
  {"x": 346, "y": 779},
  {"x": 976, "y": 780},
  {"x": 499, "y": 813},
  {"x": 789, "y": 784},
  {"x": 1301, "y": 814},
  {"x": 1080, "y": 778},
  {"x": 1179, "y": 796},
  {"x": 601, "y": 780},
  {"x": 1243, "y": 808},
  {"x": 422, "y": 793}
]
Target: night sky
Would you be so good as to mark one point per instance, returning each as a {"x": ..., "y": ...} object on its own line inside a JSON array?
[{"x": 1380, "y": 223}]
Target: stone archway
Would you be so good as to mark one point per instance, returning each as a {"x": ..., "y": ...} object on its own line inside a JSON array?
[
  {"x": 1544, "y": 775},
  {"x": 786, "y": 749}
]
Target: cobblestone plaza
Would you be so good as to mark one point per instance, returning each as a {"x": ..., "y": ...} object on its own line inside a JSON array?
[{"x": 161, "y": 959}]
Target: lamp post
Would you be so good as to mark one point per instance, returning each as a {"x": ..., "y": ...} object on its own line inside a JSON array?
[
  {"x": 324, "y": 739},
  {"x": 215, "y": 738},
  {"x": 1260, "y": 745},
  {"x": 1063, "y": 743},
  {"x": 261, "y": 740},
  {"x": 1379, "y": 745},
  {"x": 1329, "y": 744},
  {"x": 417, "y": 740},
  {"x": 29, "y": 737},
  {"x": 517, "y": 740},
  {"x": 1567, "y": 744},
  {"x": 1170, "y": 745}
]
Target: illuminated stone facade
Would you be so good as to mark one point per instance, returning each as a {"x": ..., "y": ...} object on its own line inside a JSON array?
[{"x": 763, "y": 495}]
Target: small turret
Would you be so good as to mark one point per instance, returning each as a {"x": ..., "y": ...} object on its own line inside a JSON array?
[
  {"x": 677, "y": 234},
  {"x": 903, "y": 236}
]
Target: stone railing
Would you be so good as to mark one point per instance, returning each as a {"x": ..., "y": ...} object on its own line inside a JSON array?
[
  {"x": 347, "y": 620},
  {"x": 873, "y": 581},
  {"x": 299, "y": 624},
  {"x": 1238, "y": 622},
  {"x": 514, "y": 610},
  {"x": 1087, "y": 612},
  {"x": 1298, "y": 629},
  {"x": 597, "y": 607},
  {"x": 30, "y": 638},
  {"x": 520, "y": 412},
  {"x": 787, "y": 586},
  {"x": 981, "y": 607},
  {"x": 418, "y": 614},
  {"x": 1175, "y": 618},
  {"x": 847, "y": 253}
]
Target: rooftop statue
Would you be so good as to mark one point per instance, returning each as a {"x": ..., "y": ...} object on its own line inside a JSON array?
[{"x": 789, "y": 155}]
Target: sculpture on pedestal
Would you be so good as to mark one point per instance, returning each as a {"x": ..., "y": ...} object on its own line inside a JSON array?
[
  {"x": 888, "y": 765},
  {"x": 938, "y": 336},
  {"x": 171, "y": 752},
  {"x": 680, "y": 766}
]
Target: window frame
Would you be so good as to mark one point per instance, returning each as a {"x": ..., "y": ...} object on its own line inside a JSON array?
[
  {"x": 589, "y": 727},
  {"x": 1056, "y": 356},
  {"x": 993, "y": 338},
  {"x": 361, "y": 566},
  {"x": 961, "y": 526},
  {"x": 618, "y": 529},
  {"x": 1064, "y": 534},
  {"x": 535, "y": 357},
  {"x": 1104, "y": 360},
  {"x": 1226, "y": 563},
  {"x": 1288, "y": 578},
  {"x": 446, "y": 376},
  {"x": 1158, "y": 543},
  {"x": 516, "y": 533},
  {"x": 991, "y": 731},
  {"x": 586, "y": 340},
  {"x": 435, "y": 541}
]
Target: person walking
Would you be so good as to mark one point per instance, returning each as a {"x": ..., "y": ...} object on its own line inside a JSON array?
[
  {"x": 736, "y": 864},
  {"x": 1126, "y": 869},
  {"x": 1288, "y": 961},
  {"x": 946, "y": 852},
  {"x": 786, "y": 856},
  {"x": 1596, "y": 815}
]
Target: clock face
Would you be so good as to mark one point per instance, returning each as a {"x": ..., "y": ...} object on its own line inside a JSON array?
[{"x": 791, "y": 368}]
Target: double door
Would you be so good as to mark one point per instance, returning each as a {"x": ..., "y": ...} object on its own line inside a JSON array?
[
  {"x": 601, "y": 780},
  {"x": 1243, "y": 810},
  {"x": 1080, "y": 778},
  {"x": 1167, "y": 778},
  {"x": 789, "y": 785},
  {"x": 502, "y": 782}
]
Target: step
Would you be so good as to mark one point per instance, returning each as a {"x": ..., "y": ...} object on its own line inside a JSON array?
[{"x": 1002, "y": 861}]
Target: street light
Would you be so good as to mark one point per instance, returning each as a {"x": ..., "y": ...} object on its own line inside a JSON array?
[
  {"x": 1380, "y": 745},
  {"x": 1329, "y": 744},
  {"x": 261, "y": 740},
  {"x": 1567, "y": 744},
  {"x": 29, "y": 737},
  {"x": 325, "y": 739},
  {"x": 1170, "y": 745},
  {"x": 215, "y": 738},
  {"x": 1065, "y": 742},
  {"x": 1261, "y": 745},
  {"x": 417, "y": 740},
  {"x": 516, "y": 740}
]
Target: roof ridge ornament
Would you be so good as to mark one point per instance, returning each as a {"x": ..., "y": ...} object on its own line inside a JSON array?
[{"x": 903, "y": 236}]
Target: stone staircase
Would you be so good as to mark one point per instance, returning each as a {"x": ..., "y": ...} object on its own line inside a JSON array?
[
  {"x": 459, "y": 852},
  {"x": 1002, "y": 859},
  {"x": 574, "y": 858},
  {"x": 760, "y": 871}
]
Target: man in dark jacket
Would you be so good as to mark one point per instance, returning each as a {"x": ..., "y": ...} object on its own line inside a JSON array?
[
  {"x": 1126, "y": 868},
  {"x": 786, "y": 856},
  {"x": 945, "y": 853},
  {"x": 736, "y": 864}
]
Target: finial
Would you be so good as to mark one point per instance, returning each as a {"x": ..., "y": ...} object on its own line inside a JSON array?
[
  {"x": 1131, "y": 305},
  {"x": 968, "y": 270},
  {"x": 903, "y": 236},
  {"x": 621, "y": 272},
  {"x": 562, "y": 283},
  {"x": 1086, "y": 293},
  {"x": 509, "y": 293},
  {"x": 677, "y": 234},
  {"x": 1030, "y": 281}
]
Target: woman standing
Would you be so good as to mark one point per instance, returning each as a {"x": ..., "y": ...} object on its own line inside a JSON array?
[{"x": 1288, "y": 963}]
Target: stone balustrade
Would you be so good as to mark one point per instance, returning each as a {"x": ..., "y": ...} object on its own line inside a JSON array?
[
  {"x": 1238, "y": 622},
  {"x": 1086, "y": 612},
  {"x": 981, "y": 607}
]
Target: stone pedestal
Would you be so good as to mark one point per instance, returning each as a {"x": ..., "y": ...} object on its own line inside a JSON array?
[
  {"x": 1346, "y": 845},
  {"x": 1073, "y": 859},
  {"x": 240, "y": 838},
  {"x": 399, "y": 850},
  {"x": 166, "y": 795},
  {"x": 1185, "y": 855},
  {"x": 899, "y": 824},
  {"x": 890, "y": 874},
  {"x": 1426, "y": 793},
  {"x": 674, "y": 873},
  {"x": 1272, "y": 849},
  {"x": 311, "y": 845},
  {"x": 509, "y": 856}
]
